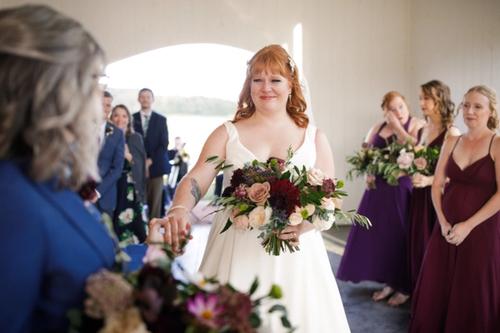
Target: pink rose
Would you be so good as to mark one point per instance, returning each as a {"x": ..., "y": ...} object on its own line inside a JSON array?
[
  {"x": 259, "y": 192},
  {"x": 420, "y": 163},
  {"x": 405, "y": 160}
]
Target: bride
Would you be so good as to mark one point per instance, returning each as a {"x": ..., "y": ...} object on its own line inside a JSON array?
[{"x": 270, "y": 119}]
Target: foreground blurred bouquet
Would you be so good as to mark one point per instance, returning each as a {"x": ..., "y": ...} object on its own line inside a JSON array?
[
  {"x": 271, "y": 195},
  {"x": 152, "y": 300}
]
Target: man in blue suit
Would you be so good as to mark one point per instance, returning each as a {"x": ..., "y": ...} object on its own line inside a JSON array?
[
  {"x": 153, "y": 128},
  {"x": 111, "y": 159}
]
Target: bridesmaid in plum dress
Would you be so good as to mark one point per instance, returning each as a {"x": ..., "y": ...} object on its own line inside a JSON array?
[
  {"x": 380, "y": 253},
  {"x": 458, "y": 289},
  {"x": 438, "y": 109}
]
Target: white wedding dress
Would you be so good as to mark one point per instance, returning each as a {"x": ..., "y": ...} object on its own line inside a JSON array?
[{"x": 310, "y": 292}]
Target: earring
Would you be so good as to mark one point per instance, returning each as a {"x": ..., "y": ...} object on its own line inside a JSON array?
[{"x": 290, "y": 97}]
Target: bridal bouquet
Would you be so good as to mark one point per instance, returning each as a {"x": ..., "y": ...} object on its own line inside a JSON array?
[
  {"x": 271, "y": 195},
  {"x": 152, "y": 300}
]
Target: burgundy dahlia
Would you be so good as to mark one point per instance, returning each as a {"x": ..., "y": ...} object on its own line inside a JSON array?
[
  {"x": 237, "y": 178},
  {"x": 284, "y": 196}
]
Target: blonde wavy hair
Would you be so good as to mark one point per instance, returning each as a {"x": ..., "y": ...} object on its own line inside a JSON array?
[
  {"x": 273, "y": 59},
  {"x": 49, "y": 95},
  {"x": 492, "y": 98}
]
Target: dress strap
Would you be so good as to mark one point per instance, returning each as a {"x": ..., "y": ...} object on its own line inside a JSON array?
[
  {"x": 381, "y": 127},
  {"x": 455, "y": 145},
  {"x": 491, "y": 142},
  {"x": 407, "y": 125},
  {"x": 231, "y": 130}
]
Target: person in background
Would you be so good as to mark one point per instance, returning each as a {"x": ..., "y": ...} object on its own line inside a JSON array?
[
  {"x": 458, "y": 289},
  {"x": 380, "y": 253},
  {"x": 127, "y": 220},
  {"x": 50, "y": 112},
  {"x": 153, "y": 128},
  {"x": 180, "y": 165},
  {"x": 438, "y": 110},
  {"x": 111, "y": 157}
]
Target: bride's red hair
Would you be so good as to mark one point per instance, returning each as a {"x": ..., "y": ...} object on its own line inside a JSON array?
[{"x": 273, "y": 59}]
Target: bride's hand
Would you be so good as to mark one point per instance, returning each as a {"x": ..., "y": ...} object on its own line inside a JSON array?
[
  {"x": 293, "y": 232},
  {"x": 173, "y": 229}
]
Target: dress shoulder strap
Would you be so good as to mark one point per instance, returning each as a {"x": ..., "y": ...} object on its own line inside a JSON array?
[
  {"x": 381, "y": 127},
  {"x": 491, "y": 142},
  {"x": 311, "y": 133},
  {"x": 407, "y": 124},
  {"x": 455, "y": 145},
  {"x": 231, "y": 130}
]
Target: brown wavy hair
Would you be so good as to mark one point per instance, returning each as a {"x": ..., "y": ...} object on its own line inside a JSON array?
[
  {"x": 50, "y": 101},
  {"x": 273, "y": 59},
  {"x": 492, "y": 97},
  {"x": 441, "y": 96},
  {"x": 130, "y": 128}
]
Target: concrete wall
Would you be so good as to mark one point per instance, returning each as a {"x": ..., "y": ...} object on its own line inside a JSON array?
[{"x": 354, "y": 50}]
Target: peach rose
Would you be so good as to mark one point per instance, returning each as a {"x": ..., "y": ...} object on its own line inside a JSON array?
[
  {"x": 315, "y": 177},
  {"x": 259, "y": 192},
  {"x": 420, "y": 163},
  {"x": 259, "y": 216}
]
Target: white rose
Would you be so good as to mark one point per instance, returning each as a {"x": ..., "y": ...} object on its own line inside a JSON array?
[
  {"x": 321, "y": 224},
  {"x": 328, "y": 204},
  {"x": 259, "y": 216},
  {"x": 315, "y": 177},
  {"x": 295, "y": 218}
]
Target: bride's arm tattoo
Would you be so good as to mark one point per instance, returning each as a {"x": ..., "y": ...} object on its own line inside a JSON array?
[{"x": 195, "y": 190}]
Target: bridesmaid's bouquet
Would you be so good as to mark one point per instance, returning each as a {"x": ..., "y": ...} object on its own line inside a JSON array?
[
  {"x": 269, "y": 196},
  {"x": 408, "y": 160},
  {"x": 365, "y": 162},
  {"x": 153, "y": 300}
]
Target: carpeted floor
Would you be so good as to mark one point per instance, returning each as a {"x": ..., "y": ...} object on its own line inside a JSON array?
[{"x": 363, "y": 314}]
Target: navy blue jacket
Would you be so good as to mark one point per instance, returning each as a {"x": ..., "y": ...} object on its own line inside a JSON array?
[
  {"x": 155, "y": 142},
  {"x": 110, "y": 163}
]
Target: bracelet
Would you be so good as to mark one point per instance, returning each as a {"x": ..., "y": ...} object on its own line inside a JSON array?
[{"x": 177, "y": 207}]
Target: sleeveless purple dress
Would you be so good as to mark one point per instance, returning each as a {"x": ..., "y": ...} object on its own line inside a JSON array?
[
  {"x": 380, "y": 253},
  {"x": 458, "y": 289},
  {"x": 422, "y": 220}
]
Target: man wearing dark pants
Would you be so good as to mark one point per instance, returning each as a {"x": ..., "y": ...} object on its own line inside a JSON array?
[{"x": 153, "y": 128}]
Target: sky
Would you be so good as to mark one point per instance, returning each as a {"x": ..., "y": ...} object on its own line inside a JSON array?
[{"x": 210, "y": 70}]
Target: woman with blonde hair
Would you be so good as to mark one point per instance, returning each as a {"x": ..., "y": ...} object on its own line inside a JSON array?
[
  {"x": 458, "y": 289},
  {"x": 270, "y": 118},
  {"x": 50, "y": 111}
]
